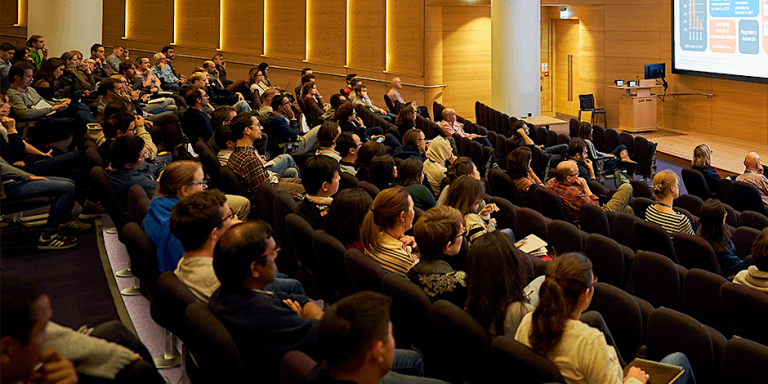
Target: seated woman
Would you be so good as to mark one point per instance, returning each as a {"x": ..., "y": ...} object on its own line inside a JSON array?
[
  {"x": 410, "y": 174},
  {"x": 256, "y": 82},
  {"x": 366, "y": 153},
  {"x": 466, "y": 195},
  {"x": 666, "y": 188},
  {"x": 619, "y": 157},
  {"x": 496, "y": 299},
  {"x": 311, "y": 96},
  {"x": 383, "y": 232},
  {"x": 382, "y": 172},
  {"x": 714, "y": 230},
  {"x": 345, "y": 217},
  {"x": 75, "y": 75},
  {"x": 462, "y": 166},
  {"x": 519, "y": 170},
  {"x": 405, "y": 121},
  {"x": 757, "y": 275},
  {"x": 180, "y": 178},
  {"x": 434, "y": 167},
  {"x": 439, "y": 235},
  {"x": 702, "y": 162},
  {"x": 47, "y": 81},
  {"x": 414, "y": 146},
  {"x": 326, "y": 138}
]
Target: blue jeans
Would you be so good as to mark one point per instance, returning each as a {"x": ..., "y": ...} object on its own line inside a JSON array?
[
  {"x": 60, "y": 189},
  {"x": 282, "y": 283},
  {"x": 681, "y": 360},
  {"x": 617, "y": 163},
  {"x": 509, "y": 233},
  {"x": 284, "y": 166},
  {"x": 407, "y": 368}
]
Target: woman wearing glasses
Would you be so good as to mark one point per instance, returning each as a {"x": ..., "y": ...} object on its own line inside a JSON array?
[{"x": 180, "y": 178}]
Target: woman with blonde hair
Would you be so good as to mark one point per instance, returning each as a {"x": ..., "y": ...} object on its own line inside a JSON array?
[
  {"x": 666, "y": 188},
  {"x": 702, "y": 162},
  {"x": 384, "y": 227}
]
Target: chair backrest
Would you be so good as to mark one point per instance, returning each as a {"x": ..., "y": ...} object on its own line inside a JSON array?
[
  {"x": 143, "y": 255},
  {"x": 213, "y": 348},
  {"x": 283, "y": 205},
  {"x": 528, "y": 221},
  {"x": 746, "y": 310},
  {"x": 513, "y": 359},
  {"x": 594, "y": 220},
  {"x": 645, "y": 156},
  {"x": 174, "y": 298},
  {"x": 690, "y": 203},
  {"x": 564, "y": 237},
  {"x": 539, "y": 161},
  {"x": 753, "y": 220},
  {"x": 230, "y": 182},
  {"x": 622, "y": 315},
  {"x": 640, "y": 189},
  {"x": 108, "y": 198},
  {"x": 211, "y": 164},
  {"x": 93, "y": 158},
  {"x": 607, "y": 259},
  {"x": 370, "y": 188},
  {"x": 505, "y": 217},
  {"x": 626, "y": 139},
  {"x": 695, "y": 252},
  {"x": 477, "y": 156},
  {"x": 135, "y": 194},
  {"x": 265, "y": 199},
  {"x": 701, "y": 294},
  {"x": 598, "y": 137},
  {"x": 586, "y": 102},
  {"x": 300, "y": 232},
  {"x": 652, "y": 237},
  {"x": 670, "y": 331},
  {"x": 623, "y": 230},
  {"x": 695, "y": 183},
  {"x": 364, "y": 273},
  {"x": 503, "y": 186},
  {"x": 748, "y": 198},
  {"x": 329, "y": 252},
  {"x": 725, "y": 193},
  {"x": 573, "y": 127},
  {"x": 611, "y": 139},
  {"x": 551, "y": 138},
  {"x": 640, "y": 205},
  {"x": 465, "y": 342},
  {"x": 551, "y": 204},
  {"x": 295, "y": 367},
  {"x": 541, "y": 136},
  {"x": 743, "y": 238},
  {"x": 655, "y": 278},
  {"x": 739, "y": 359},
  {"x": 347, "y": 181}
]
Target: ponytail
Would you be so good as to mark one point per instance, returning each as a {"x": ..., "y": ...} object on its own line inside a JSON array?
[{"x": 385, "y": 210}]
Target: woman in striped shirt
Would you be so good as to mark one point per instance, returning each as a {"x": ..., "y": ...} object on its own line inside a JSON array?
[
  {"x": 383, "y": 232},
  {"x": 666, "y": 189}
]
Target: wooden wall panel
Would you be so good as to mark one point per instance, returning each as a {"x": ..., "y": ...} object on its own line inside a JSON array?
[
  {"x": 285, "y": 26},
  {"x": 433, "y": 54},
  {"x": 366, "y": 34},
  {"x": 114, "y": 19},
  {"x": 405, "y": 41},
  {"x": 243, "y": 30},
  {"x": 9, "y": 15},
  {"x": 197, "y": 23},
  {"x": 327, "y": 32},
  {"x": 150, "y": 21}
]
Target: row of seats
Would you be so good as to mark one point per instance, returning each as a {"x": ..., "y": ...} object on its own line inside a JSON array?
[{"x": 742, "y": 196}]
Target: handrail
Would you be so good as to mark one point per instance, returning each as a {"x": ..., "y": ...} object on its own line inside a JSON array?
[
  {"x": 299, "y": 70},
  {"x": 708, "y": 95}
]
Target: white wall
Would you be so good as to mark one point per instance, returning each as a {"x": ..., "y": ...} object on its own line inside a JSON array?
[{"x": 66, "y": 25}]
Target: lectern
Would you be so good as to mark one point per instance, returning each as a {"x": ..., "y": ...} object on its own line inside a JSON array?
[{"x": 638, "y": 112}]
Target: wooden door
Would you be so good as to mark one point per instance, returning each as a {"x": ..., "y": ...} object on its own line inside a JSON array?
[{"x": 566, "y": 59}]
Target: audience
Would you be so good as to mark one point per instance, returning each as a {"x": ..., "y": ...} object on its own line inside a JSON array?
[
  {"x": 756, "y": 276},
  {"x": 410, "y": 175},
  {"x": 347, "y": 145},
  {"x": 439, "y": 234},
  {"x": 754, "y": 175},
  {"x": 311, "y": 96},
  {"x": 519, "y": 170},
  {"x": 321, "y": 181},
  {"x": 713, "y": 229},
  {"x": 666, "y": 188},
  {"x": 434, "y": 167},
  {"x": 382, "y": 172},
  {"x": 170, "y": 55},
  {"x": 450, "y": 126},
  {"x": 618, "y": 158},
  {"x": 336, "y": 100},
  {"x": 366, "y": 154},
  {"x": 7, "y": 50},
  {"x": 348, "y": 120},
  {"x": 414, "y": 146},
  {"x": 164, "y": 72},
  {"x": 346, "y": 214},
  {"x": 326, "y": 137},
  {"x": 127, "y": 167},
  {"x": 383, "y": 232},
  {"x": 579, "y": 351},
  {"x": 282, "y": 126},
  {"x": 462, "y": 166},
  {"x": 702, "y": 162},
  {"x": 113, "y": 60},
  {"x": 577, "y": 153},
  {"x": 466, "y": 195},
  {"x": 575, "y": 191},
  {"x": 362, "y": 99},
  {"x": 75, "y": 76},
  {"x": 47, "y": 82},
  {"x": 37, "y": 50},
  {"x": 520, "y": 132}
]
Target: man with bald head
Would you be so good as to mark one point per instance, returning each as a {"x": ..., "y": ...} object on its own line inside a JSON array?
[
  {"x": 575, "y": 191},
  {"x": 394, "y": 95},
  {"x": 754, "y": 175}
]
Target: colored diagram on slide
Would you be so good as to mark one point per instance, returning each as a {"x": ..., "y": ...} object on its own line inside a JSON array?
[{"x": 723, "y": 26}]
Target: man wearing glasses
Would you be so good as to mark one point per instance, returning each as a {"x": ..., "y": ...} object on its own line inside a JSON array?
[
  {"x": 164, "y": 72},
  {"x": 282, "y": 127},
  {"x": 575, "y": 191}
]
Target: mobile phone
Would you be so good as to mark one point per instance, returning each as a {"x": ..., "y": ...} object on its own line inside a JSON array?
[{"x": 380, "y": 139}]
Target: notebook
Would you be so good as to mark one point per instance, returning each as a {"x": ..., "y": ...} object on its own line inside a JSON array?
[{"x": 660, "y": 373}]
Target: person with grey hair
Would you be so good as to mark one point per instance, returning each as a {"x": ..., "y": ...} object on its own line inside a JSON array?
[{"x": 163, "y": 71}]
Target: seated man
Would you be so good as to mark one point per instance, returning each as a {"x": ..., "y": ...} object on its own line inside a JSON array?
[
  {"x": 220, "y": 95},
  {"x": 170, "y": 55},
  {"x": 163, "y": 71},
  {"x": 336, "y": 100},
  {"x": 283, "y": 129},
  {"x": 6, "y": 55},
  {"x": 249, "y": 166},
  {"x": 119, "y": 124},
  {"x": 577, "y": 152},
  {"x": 321, "y": 181},
  {"x": 356, "y": 337},
  {"x": 281, "y": 166},
  {"x": 348, "y": 144},
  {"x": 127, "y": 167},
  {"x": 754, "y": 175},
  {"x": 574, "y": 191},
  {"x": 221, "y": 116},
  {"x": 394, "y": 95},
  {"x": 351, "y": 79},
  {"x": 101, "y": 69},
  {"x": 264, "y": 324},
  {"x": 520, "y": 131},
  {"x": 361, "y": 98},
  {"x": 196, "y": 122},
  {"x": 113, "y": 60},
  {"x": 266, "y": 105},
  {"x": 449, "y": 125}
]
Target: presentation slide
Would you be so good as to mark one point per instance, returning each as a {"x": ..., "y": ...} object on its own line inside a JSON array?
[{"x": 721, "y": 37}]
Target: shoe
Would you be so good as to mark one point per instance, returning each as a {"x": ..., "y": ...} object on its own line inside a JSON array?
[
  {"x": 183, "y": 154},
  {"x": 75, "y": 226},
  {"x": 92, "y": 210},
  {"x": 621, "y": 176},
  {"x": 56, "y": 241}
]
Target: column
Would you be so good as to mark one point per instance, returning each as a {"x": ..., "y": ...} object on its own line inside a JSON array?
[
  {"x": 66, "y": 25},
  {"x": 515, "y": 56}
]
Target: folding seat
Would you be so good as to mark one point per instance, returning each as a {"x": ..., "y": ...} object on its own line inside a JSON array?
[
  {"x": 690, "y": 203},
  {"x": 748, "y": 198},
  {"x": 695, "y": 183},
  {"x": 640, "y": 189},
  {"x": 611, "y": 140},
  {"x": 364, "y": 273},
  {"x": 657, "y": 279},
  {"x": 348, "y": 181},
  {"x": 622, "y": 229},
  {"x": 283, "y": 205},
  {"x": 694, "y": 252},
  {"x": 106, "y": 194},
  {"x": 691, "y": 217},
  {"x": 513, "y": 359},
  {"x": 505, "y": 217},
  {"x": 622, "y": 315},
  {"x": 370, "y": 188},
  {"x": 329, "y": 253},
  {"x": 701, "y": 294},
  {"x": 135, "y": 213},
  {"x": 230, "y": 182},
  {"x": 611, "y": 261},
  {"x": 640, "y": 205},
  {"x": 593, "y": 219},
  {"x": 746, "y": 310},
  {"x": 466, "y": 344},
  {"x": 725, "y": 193},
  {"x": 645, "y": 156},
  {"x": 652, "y": 237},
  {"x": 541, "y": 136},
  {"x": 551, "y": 139},
  {"x": 265, "y": 199},
  {"x": 551, "y": 204},
  {"x": 295, "y": 366},
  {"x": 210, "y": 163},
  {"x": 565, "y": 237},
  {"x": 743, "y": 238},
  {"x": 573, "y": 127},
  {"x": 300, "y": 233},
  {"x": 753, "y": 220},
  {"x": 173, "y": 298},
  {"x": 626, "y": 139},
  {"x": 598, "y": 137},
  {"x": 528, "y": 221},
  {"x": 739, "y": 359},
  {"x": 562, "y": 138}
]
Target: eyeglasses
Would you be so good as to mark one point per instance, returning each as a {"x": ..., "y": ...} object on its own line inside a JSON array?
[
  {"x": 230, "y": 216},
  {"x": 575, "y": 174},
  {"x": 594, "y": 281},
  {"x": 204, "y": 183},
  {"x": 274, "y": 251}
]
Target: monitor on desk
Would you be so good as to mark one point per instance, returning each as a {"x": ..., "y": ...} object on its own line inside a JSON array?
[{"x": 655, "y": 71}]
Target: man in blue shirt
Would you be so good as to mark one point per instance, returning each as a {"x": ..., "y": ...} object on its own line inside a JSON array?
[
  {"x": 164, "y": 72},
  {"x": 127, "y": 168}
]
